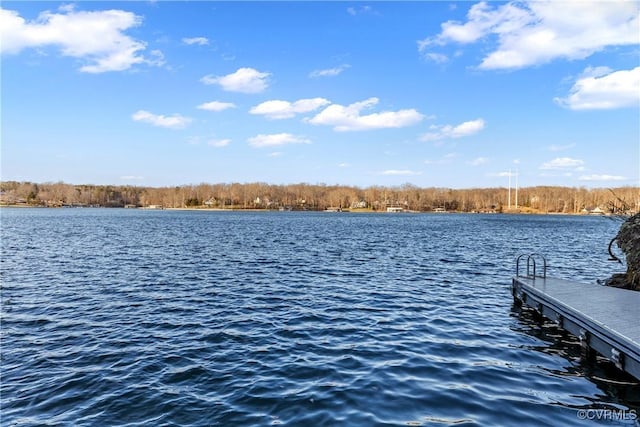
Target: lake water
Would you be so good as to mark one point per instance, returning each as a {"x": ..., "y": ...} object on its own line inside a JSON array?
[{"x": 185, "y": 318}]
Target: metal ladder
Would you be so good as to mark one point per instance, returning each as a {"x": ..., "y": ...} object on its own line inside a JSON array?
[{"x": 531, "y": 266}]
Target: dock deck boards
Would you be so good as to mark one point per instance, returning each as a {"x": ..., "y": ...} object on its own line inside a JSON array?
[{"x": 610, "y": 316}]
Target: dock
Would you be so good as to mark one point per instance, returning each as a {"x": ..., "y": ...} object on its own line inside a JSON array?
[{"x": 604, "y": 319}]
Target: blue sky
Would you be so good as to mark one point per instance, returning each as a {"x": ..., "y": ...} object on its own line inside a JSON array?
[{"x": 444, "y": 94}]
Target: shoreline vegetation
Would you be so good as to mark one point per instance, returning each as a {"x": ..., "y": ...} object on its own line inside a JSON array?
[{"x": 322, "y": 197}]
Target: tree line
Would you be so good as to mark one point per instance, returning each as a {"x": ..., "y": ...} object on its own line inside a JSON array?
[{"x": 543, "y": 199}]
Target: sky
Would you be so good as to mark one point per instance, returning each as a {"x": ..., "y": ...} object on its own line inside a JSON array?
[{"x": 432, "y": 93}]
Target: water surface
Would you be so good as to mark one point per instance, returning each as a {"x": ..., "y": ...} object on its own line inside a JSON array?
[{"x": 185, "y": 318}]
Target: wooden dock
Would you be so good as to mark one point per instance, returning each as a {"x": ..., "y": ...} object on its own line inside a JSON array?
[{"x": 605, "y": 319}]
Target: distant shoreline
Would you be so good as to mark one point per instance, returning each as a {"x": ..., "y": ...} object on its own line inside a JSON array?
[
  {"x": 356, "y": 211},
  {"x": 333, "y": 198}
]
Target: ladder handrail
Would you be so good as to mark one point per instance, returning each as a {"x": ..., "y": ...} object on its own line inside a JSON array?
[{"x": 531, "y": 265}]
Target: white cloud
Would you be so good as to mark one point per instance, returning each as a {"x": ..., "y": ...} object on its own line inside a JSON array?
[
  {"x": 438, "y": 58},
  {"x": 502, "y": 174},
  {"x": 97, "y": 38},
  {"x": 244, "y": 80},
  {"x": 478, "y": 161},
  {"x": 563, "y": 163},
  {"x": 156, "y": 58},
  {"x": 329, "y": 72},
  {"x": 344, "y": 165},
  {"x": 69, "y": 7},
  {"x": 277, "y": 139},
  {"x": 601, "y": 178},
  {"x": 603, "y": 89},
  {"x": 131, "y": 178},
  {"x": 218, "y": 143},
  {"x": 216, "y": 106},
  {"x": 202, "y": 41},
  {"x": 353, "y": 11},
  {"x": 276, "y": 154},
  {"x": 175, "y": 121},
  {"x": 277, "y": 109},
  {"x": 537, "y": 32},
  {"x": 349, "y": 119},
  {"x": 400, "y": 172},
  {"x": 439, "y": 132}
]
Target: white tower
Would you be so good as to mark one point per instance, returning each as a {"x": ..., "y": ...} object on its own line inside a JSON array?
[{"x": 509, "y": 191}]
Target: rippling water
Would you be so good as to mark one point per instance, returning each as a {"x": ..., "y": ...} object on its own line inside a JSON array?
[{"x": 130, "y": 317}]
